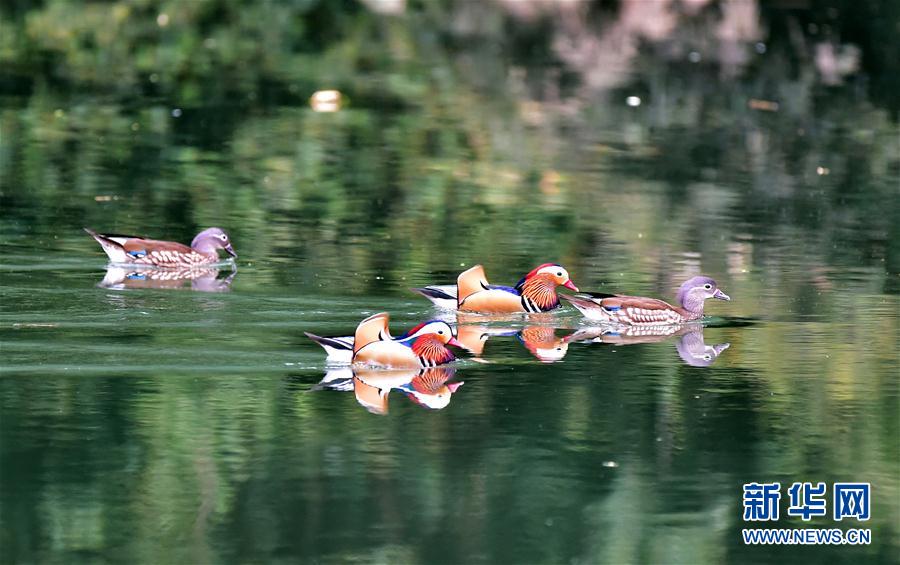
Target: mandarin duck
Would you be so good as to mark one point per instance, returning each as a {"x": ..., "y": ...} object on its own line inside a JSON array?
[
  {"x": 133, "y": 250},
  {"x": 425, "y": 346},
  {"x": 638, "y": 310},
  {"x": 201, "y": 279},
  {"x": 340, "y": 349},
  {"x": 690, "y": 345},
  {"x": 535, "y": 292}
]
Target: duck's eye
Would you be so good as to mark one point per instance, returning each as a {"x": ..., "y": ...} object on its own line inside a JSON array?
[
  {"x": 224, "y": 237},
  {"x": 707, "y": 357},
  {"x": 559, "y": 274},
  {"x": 707, "y": 286},
  {"x": 440, "y": 332}
]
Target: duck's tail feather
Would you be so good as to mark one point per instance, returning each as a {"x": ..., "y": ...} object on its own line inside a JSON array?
[
  {"x": 337, "y": 348},
  {"x": 441, "y": 296},
  {"x": 113, "y": 249}
]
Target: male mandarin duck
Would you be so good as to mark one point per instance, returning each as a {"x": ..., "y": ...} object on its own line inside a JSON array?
[
  {"x": 340, "y": 349},
  {"x": 638, "y": 310},
  {"x": 425, "y": 346},
  {"x": 536, "y": 292},
  {"x": 133, "y": 250}
]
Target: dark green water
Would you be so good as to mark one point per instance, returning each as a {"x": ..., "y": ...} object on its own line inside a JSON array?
[{"x": 171, "y": 426}]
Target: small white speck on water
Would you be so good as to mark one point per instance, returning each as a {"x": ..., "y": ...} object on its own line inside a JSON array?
[
  {"x": 290, "y": 364},
  {"x": 162, "y": 20},
  {"x": 266, "y": 179},
  {"x": 633, "y": 101},
  {"x": 176, "y": 112},
  {"x": 694, "y": 57},
  {"x": 379, "y": 278},
  {"x": 822, "y": 171},
  {"x": 658, "y": 438},
  {"x": 462, "y": 264},
  {"x": 640, "y": 235},
  {"x": 326, "y": 100},
  {"x": 548, "y": 522},
  {"x": 760, "y": 47},
  {"x": 610, "y": 464},
  {"x": 697, "y": 396},
  {"x": 154, "y": 78}
]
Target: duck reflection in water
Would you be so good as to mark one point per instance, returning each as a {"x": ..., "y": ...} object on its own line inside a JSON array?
[
  {"x": 540, "y": 341},
  {"x": 690, "y": 345},
  {"x": 429, "y": 388},
  {"x": 200, "y": 279}
]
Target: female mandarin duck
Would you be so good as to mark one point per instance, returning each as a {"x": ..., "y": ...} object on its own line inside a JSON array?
[
  {"x": 536, "y": 292},
  {"x": 424, "y": 347},
  {"x": 132, "y": 250},
  {"x": 340, "y": 349},
  {"x": 637, "y": 310}
]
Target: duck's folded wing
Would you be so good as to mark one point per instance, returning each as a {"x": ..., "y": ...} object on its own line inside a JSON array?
[
  {"x": 641, "y": 309},
  {"x": 138, "y": 246}
]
